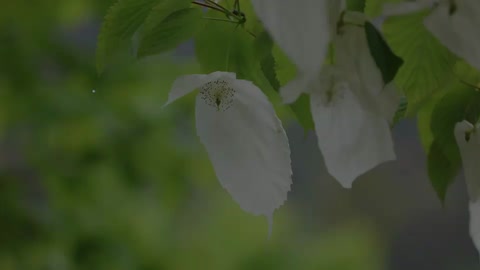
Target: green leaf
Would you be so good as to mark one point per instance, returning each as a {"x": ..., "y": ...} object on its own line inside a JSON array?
[
  {"x": 460, "y": 102},
  {"x": 227, "y": 47},
  {"x": 467, "y": 74},
  {"x": 162, "y": 10},
  {"x": 428, "y": 64},
  {"x": 230, "y": 47},
  {"x": 356, "y": 5},
  {"x": 122, "y": 20},
  {"x": 263, "y": 47},
  {"x": 386, "y": 60},
  {"x": 178, "y": 27},
  {"x": 442, "y": 170},
  {"x": 424, "y": 119},
  {"x": 285, "y": 69}
]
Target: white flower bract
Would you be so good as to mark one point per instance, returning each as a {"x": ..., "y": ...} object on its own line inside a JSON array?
[
  {"x": 244, "y": 139},
  {"x": 302, "y": 29},
  {"x": 353, "y": 140},
  {"x": 468, "y": 141},
  {"x": 356, "y": 63},
  {"x": 351, "y": 108}
]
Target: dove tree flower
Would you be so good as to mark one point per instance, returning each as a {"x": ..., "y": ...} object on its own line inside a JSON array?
[
  {"x": 468, "y": 141},
  {"x": 355, "y": 61},
  {"x": 351, "y": 108},
  {"x": 455, "y": 24},
  {"x": 349, "y": 103},
  {"x": 351, "y": 138},
  {"x": 244, "y": 139},
  {"x": 303, "y": 29}
]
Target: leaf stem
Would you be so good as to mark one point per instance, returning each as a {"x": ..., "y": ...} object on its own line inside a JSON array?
[
  {"x": 207, "y": 6},
  {"x": 218, "y": 19},
  {"x": 236, "y": 6},
  {"x": 210, "y": 2}
]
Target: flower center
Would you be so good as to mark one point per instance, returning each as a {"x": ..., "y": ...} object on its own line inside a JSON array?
[{"x": 218, "y": 94}]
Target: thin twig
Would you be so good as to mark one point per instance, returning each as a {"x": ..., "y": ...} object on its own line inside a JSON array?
[
  {"x": 218, "y": 6},
  {"x": 237, "y": 5},
  {"x": 207, "y": 6},
  {"x": 218, "y": 19}
]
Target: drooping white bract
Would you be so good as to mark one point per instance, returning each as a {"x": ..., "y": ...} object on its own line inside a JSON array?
[
  {"x": 352, "y": 139},
  {"x": 303, "y": 29},
  {"x": 455, "y": 25},
  {"x": 245, "y": 140},
  {"x": 351, "y": 108},
  {"x": 355, "y": 61},
  {"x": 468, "y": 140}
]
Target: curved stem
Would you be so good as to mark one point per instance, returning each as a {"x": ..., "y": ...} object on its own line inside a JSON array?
[{"x": 218, "y": 19}]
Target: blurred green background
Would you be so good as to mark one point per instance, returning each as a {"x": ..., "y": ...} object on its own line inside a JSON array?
[{"x": 94, "y": 174}]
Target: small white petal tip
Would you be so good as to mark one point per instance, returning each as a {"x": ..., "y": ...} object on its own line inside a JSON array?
[{"x": 475, "y": 223}]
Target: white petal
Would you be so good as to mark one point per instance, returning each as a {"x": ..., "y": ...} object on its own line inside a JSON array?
[
  {"x": 248, "y": 148},
  {"x": 469, "y": 146},
  {"x": 354, "y": 59},
  {"x": 301, "y": 28},
  {"x": 186, "y": 84},
  {"x": 459, "y": 31},
  {"x": 475, "y": 223},
  {"x": 351, "y": 139},
  {"x": 470, "y": 152}
]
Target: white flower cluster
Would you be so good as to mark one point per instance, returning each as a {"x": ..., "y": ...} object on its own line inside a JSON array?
[{"x": 350, "y": 104}]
